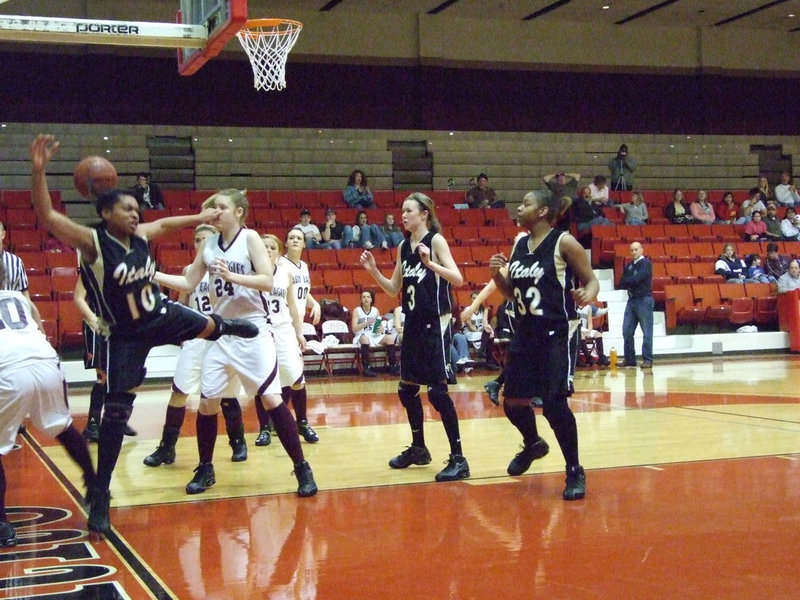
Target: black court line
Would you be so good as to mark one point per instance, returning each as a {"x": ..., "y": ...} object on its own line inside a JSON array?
[
  {"x": 735, "y": 414},
  {"x": 125, "y": 551}
]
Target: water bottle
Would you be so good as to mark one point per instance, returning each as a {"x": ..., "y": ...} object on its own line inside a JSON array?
[
  {"x": 612, "y": 357},
  {"x": 376, "y": 327}
]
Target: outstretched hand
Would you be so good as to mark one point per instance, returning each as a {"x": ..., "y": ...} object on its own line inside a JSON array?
[
  {"x": 43, "y": 147},
  {"x": 209, "y": 215}
]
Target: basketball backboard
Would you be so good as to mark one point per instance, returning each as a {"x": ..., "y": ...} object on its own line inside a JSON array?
[
  {"x": 203, "y": 29},
  {"x": 220, "y": 18}
]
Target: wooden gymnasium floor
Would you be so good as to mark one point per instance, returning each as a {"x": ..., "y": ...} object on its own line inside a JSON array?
[{"x": 693, "y": 493}]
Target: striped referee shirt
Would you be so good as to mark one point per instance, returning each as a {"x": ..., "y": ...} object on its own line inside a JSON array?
[{"x": 15, "y": 272}]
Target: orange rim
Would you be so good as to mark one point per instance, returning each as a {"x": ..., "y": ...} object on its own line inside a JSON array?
[{"x": 255, "y": 23}]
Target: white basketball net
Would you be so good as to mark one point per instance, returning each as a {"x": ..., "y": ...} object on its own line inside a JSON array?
[{"x": 267, "y": 43}]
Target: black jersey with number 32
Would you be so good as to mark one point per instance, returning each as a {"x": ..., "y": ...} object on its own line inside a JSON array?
[
  {"x": 425, "y": 294},
  {"x": 542, "y": 281},
  {"x": 119, "y": 283}
]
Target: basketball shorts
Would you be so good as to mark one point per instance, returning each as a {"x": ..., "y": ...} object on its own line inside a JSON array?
[
  {"x": 253, "y": 360},
  {"x": 290, "y": 359},
  {"x": 128, "y": 349},
  {"x": 538, "y": 361},
  {"x": 36, "y": 388},
  {"x": 425, "y": 350},
  {"x": 189, "y": 366},
  {"x": 94, "y": 349}
]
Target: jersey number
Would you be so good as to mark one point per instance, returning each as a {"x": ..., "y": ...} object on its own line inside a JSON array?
[
  {"x": 223, "y": 288},
  {"x": 410, "y": 297},
  {"x": 147, "y": 301},
  {"x": 12, "y": 314},
  {"x": 203, "y": 304},
  {"x": 533, "y": 297}
]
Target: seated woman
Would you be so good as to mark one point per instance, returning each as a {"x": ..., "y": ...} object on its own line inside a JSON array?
[
  {"x": 391, "y": 231},
  {"x": 677, "y": 211},
  {"x": 701, "y": 210},
  {"x": 756, "y": 229},
  {"x": 728, "y": 210},
  {"x": 369, "y": 329},
  {"x": 731, "y": 267},
  {"x": 636, "y": 211},
  {"x": 790, "y": 226},
  {"x": 356, "y": 193},
  {"x": 363, "y": 235}
]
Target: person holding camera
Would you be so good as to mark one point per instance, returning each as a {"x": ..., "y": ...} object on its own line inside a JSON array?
[{"x": 622, "y": 167}]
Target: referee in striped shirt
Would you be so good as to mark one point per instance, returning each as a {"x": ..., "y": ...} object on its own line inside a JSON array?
[{"x": 16, "y": 279}]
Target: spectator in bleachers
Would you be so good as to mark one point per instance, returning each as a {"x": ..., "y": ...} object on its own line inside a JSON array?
[
  {"x": 562, "y": 184},
  {"x": 676, "y": 211},
  {"x": 481, "y": 195},
  {"x": 364, "y": 235},
  {"x": 391, "y": 231},
  {"x": 147, "y": 193},
  {"x": 356, "y": 193},
  {"x": 701, "y": 209},
  {"x": 728, "y": 210},
  {"x": 332, "y": 231},
  {"x": 636, "y": 211},
  {"x": 785, "y": 192},
  {"x": 790, "y": 225},
  {"x": 791, "y": 279},
  {"x": 755, "y": 202},
  {"x": 755, "y": 271},
  {"x": 765, "y": 189},
  {"x": 730, "y": 266},
  {"x": 369, "y": 329},
  {"x": 599, "y": 190},
  {"x": 756, "y": 229},
  {"x": 777, "y": 264},
  {"x": 587, "y": 212},
  {"x": 622, "y": 167},
  {"x": 773, "y": 222},
  {"x": 311, "y": 231}
]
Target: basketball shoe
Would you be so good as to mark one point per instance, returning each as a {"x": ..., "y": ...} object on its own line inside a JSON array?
[
  {"x": 264, "y": 437},
  {"x": 307, "y": 432},
  {"x": 203, "y": 479},
  {"x": 413, "y": 455},
  {"x": 522, "y": 461},
  {"x": 456, "y": 467},
  {"x": 8, "y": 536},
  {"x": 306, "y": 487},
  {"x": 576, "y": 483}
]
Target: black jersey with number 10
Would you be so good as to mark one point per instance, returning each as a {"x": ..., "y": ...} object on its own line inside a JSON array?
[
  {"x": 542, "y": 281},
  {"x": 119, "y": 283},
  {"x": 425, "y": 294}
]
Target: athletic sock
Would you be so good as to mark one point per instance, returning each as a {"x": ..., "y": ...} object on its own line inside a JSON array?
[
  {"x": 299, "y": 403},
  {"x": 206, "y": 437},
  {"x": 286, "y": 428}
]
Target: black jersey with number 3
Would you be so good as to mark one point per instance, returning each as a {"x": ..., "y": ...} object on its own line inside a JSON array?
[
  {"x": 425, "y": 294},
  {"x": 119, "y": 283},
  {"x": 542, "y": 281}
]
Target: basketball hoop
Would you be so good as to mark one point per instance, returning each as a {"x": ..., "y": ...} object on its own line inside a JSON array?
[{"x": 267, "y": 43}]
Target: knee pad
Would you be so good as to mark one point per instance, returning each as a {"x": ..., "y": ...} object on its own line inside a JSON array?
[
  {"x": 116, "y": 412},
  {"x": 409, "y": 394},
  {"x": 439, "y": 398}
]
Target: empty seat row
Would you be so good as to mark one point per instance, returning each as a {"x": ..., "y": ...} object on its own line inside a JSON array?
[{"x": 721, "y": 305}]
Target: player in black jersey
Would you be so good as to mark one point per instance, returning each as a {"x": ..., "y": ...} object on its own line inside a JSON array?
[
  {"x": 542, "y": 278},
  {"x": 424, "y": 271},
  {"x": 117, "y": 271}
]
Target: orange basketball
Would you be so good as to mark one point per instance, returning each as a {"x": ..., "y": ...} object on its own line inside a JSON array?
[{"x": 94, "y": 175}]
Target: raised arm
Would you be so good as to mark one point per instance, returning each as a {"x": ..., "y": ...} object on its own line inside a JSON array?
[
  {"x": 65, "y": 229},
  {"x": 162, "y": 227}
]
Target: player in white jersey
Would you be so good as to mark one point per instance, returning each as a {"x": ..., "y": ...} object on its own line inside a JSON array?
[
  {"x": 240, "y": 272},
  {"x": 302, "y": 299},
  {"x": 31, "y": 383},
  {"x": 287, "y": 328},
  {"x": 187, "y": 380}
]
